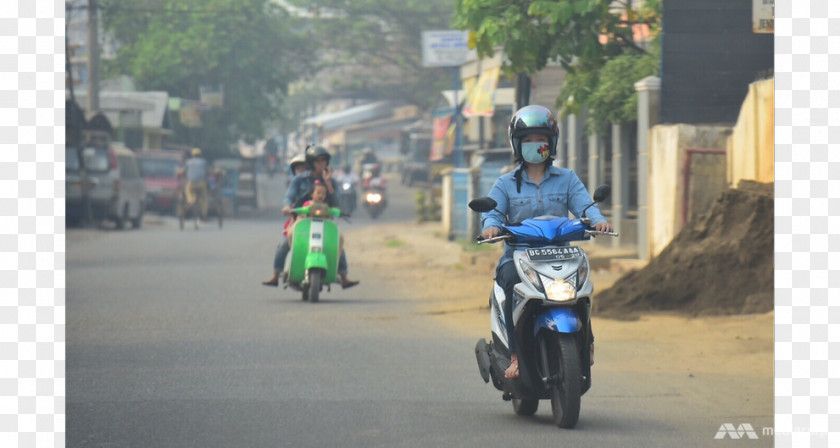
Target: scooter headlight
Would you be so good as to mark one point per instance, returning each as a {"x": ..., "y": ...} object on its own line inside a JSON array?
[
  {"x": 531, "y": 274},
  {"x": 374, "y": 198},
  {"x": 558, "y": 290},
  {"x": 582, "y": 273}
]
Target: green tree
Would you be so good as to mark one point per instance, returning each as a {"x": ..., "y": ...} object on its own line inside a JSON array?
[
  {"x": 592, "y": 39},
  {"x": 372, "y": 49},
  {"x": 252, "y": 48}
]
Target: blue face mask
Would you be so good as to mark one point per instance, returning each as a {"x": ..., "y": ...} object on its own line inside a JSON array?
[{"x": 535, "y": 152}]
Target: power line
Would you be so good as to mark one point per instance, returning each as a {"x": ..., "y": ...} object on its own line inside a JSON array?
[{"x": 116, "y": 8}]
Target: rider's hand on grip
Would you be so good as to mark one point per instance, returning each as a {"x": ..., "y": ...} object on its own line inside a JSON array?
[
  {"x": 603, "y": 227},
  {"x": 489, "y": 232}
]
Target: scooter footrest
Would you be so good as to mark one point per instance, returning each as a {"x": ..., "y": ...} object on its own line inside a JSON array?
[{"x": 482, "y": 357}]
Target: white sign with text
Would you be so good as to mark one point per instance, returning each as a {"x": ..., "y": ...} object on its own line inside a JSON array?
[{"x": 445, "y": 48}]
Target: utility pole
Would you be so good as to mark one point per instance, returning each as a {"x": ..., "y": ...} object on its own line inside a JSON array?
[
  {"x": 93, "y": 58},
  {"x": 75, "y": 127}
]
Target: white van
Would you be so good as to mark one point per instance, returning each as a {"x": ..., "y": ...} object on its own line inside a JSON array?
[{"x": 117, "y": 189}]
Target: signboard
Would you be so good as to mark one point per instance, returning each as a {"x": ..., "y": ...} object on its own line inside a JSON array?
[
  {"x": 213, "y": 96},
  {"x": 480, "y": 99},
  {"x": 445, "y": 48},
  {"x": 763, "y": 15}
]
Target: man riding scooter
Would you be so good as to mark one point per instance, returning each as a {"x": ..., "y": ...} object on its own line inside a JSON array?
[
  {"x": 373, "y": 193},
  {"x": 317, "y": 162},
  {"x": 348, "y": 182}
]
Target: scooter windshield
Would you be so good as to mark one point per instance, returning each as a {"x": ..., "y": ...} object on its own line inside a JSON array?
[{"x": 546, "y": 230}]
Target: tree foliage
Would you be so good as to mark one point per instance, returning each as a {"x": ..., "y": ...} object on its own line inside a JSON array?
[
  {"x": 252, "y": 48},
  {"x": 372, "y": 48},
  {"x": 592, "y": 39}
]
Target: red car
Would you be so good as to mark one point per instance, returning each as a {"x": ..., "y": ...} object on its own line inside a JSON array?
[{"x": 159, "y": 168}]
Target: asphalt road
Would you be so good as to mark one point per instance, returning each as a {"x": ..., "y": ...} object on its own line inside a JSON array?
[{"x": 172, "y": 342}]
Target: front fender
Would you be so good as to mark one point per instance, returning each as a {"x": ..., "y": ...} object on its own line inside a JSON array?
[
  {"x": 315, "y": 260},
  {"x": 558, "y": 320}
]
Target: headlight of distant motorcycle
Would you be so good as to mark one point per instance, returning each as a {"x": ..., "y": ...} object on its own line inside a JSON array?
[
  {"x": 531, "y": 274},
  {"x": 558, "y": 290},
  {"x": 346, "y": 185},
  {"x": 374, "y": 198}
]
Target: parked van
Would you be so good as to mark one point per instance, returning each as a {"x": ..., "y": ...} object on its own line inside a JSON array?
[
  {"x": 159, "y": 168},
  {"x": 116, "y": 188}
]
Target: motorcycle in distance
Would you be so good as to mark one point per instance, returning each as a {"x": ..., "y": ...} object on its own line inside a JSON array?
[
  {"x": 373, "y": 195},
  {"x": 313, "y": 261},
  {"x": 552, "y": 308},
  {"x": 347, "y": 198},
  {"x": 271, "y": 163}
]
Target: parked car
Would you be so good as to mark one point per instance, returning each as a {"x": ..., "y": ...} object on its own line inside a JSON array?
[
  {"x": 116, "y": 188},
  {"x": 159, "y": 170}
]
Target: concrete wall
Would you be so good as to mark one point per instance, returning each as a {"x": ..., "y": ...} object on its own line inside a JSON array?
[
  {"x": 680, "y": 173},
  {"x": 750, "y": 148},
  {"x": 446, "y": 202},
  {"x": 705, "y": 182}
]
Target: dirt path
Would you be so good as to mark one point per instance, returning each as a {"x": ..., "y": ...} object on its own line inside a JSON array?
[{"x": 456, "y": 292}]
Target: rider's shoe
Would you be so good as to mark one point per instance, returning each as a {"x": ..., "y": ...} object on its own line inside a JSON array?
[
  {"x": 347, "y": 283},
  {"x": 273, "y": 281}
]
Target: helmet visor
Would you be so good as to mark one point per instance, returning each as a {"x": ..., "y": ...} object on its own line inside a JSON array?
[{"x": 529, "y": 119}]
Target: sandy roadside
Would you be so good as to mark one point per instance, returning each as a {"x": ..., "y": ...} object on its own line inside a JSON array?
[{"x": 456, "y": 293}]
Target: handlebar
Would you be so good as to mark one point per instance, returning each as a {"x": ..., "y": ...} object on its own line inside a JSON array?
[
  {"x": 598, "y": 232},
  {"x": 495, "y": 239}
]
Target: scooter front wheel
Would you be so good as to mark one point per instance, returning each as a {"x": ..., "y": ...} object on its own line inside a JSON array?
[
  {"x": 314, "y": 285},
  {"x": 524, "y": 406},
  {"x": 566, "y": 390}
]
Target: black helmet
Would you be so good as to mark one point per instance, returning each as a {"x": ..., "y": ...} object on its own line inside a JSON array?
[
  {"x": 313, "y": 152},
  {"x": 532, "y": 119}
]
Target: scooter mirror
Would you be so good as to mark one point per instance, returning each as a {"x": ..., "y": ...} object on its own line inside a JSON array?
[
  {"x": 601, "y": 193},
  {"x": 483, "y": 204}
]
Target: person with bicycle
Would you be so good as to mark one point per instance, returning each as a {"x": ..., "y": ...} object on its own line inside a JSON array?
[{"x": 196, "y": 170}]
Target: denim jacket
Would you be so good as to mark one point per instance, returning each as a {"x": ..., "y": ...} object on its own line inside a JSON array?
[
  {"x": 559, "y": 192},
  {"x": 300, "y": 186}
]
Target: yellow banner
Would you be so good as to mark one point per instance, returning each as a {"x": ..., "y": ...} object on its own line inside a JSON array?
[{"x": 480, "y": 99}]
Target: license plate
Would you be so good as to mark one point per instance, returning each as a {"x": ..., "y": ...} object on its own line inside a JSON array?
[{"x": 553, "y": 253}]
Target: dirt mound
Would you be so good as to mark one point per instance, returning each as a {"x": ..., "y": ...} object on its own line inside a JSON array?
[{"x": 720, "y": 263}]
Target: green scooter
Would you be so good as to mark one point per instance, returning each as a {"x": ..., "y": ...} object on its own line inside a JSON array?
[{"x": 314, "y": 251}]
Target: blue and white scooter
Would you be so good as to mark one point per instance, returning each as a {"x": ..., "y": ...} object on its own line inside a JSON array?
[{"x": 551, "y": 311}]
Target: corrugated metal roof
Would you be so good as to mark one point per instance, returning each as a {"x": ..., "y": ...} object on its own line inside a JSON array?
[{"x": 353, "y": 115}]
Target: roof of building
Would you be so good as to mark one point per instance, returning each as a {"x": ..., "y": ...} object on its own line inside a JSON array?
[
  {"x": 151, "y": 105},
  {"x": 351, "y": 116}
]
